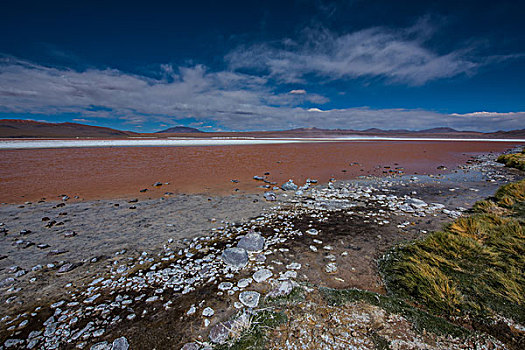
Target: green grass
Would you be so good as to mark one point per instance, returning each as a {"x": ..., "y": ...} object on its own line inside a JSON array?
[
  {"x": 421, "y": 320},
  {"x": 295, "y": 296},
  {"x": 474, "y": 266},
  {"x": 515, "y": 160}
]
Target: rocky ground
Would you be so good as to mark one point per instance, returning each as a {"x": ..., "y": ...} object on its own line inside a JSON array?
[{"x": 156, "y": 286}]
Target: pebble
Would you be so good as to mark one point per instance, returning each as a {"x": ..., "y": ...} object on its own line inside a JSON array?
[
  {"x": 120, "y": 344},
  {"x": 245, "y": 282},
  {"x": 262, "y": 275},
  {"x": 208, "y": 312},
  {"x": 252, "y": 242},
  {"x": 331, "y": 268},
  {"x": 225, "y": 285},
  {"x": 293, "y": 266},
  {"x": 235, "y": 257},
  {"x": 249, "y": 298},
  {"x": 312, "y": 232},
  {"x": 220, "y": 332},
  {"x": 190, "y": 346}
]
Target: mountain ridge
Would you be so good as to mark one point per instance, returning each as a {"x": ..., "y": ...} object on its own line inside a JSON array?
[{"x": 21, "y": 128}]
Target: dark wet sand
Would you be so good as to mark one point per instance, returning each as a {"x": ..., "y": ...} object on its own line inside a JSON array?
[{"x": 120, "y": 172}]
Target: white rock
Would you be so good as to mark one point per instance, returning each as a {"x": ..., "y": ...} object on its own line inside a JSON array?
[
  {"x": 225, "y": 285},
  {"x": 331, "y": 267},
  {"x": 262, "y": 275},
  {"x": 293, "y": 266},
  {"x": 249, "y": 298},
  {"x": 312, "y": 232},
  {"x": 208, "y": 312},
  {"x": 245, "y": 282}
]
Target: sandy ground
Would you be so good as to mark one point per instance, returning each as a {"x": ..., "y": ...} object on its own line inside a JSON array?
[
  {"x": 103, "y": 230},
  {"x": 121, "y": 172}
]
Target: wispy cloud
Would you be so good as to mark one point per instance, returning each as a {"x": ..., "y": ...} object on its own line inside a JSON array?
[{"x": 397, "y": 55}]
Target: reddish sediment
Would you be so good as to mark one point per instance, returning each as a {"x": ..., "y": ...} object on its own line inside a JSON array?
[{"x": 121, "y": 172}]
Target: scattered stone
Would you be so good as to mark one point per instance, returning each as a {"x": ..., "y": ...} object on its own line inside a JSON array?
[
  {"x": 252, "y": 242},
  {"x": 120, "y": 344},
  {"x": 208, "y": 312},
  {"x": 293, "y": 266},
  {"x": 9, "y": 343},
  {"x": 243, "y": 283},
  {"x": 225, "y": 286},
  {"x": 331, "y": 268},
  {"x": 69, "y": 233},
  {"x": 91, "y": 299},
  {"x": 270, "y": 196},
  {"x": 289, "y": 186},
  {"x": 249, "y": 298},
  {"x": 235, "y": 257},
  {"x": 284, "y": 289},
  {"x": 262, "y": 275},
  {"x": 190, "y": 346},
  {"x": 101, "y": 346},
  {"x": 312, "y": 232},
  {"x": 191, "y": 311},
  {"x": 220, "y": 332},
  {"x": 67, "y": 267}
]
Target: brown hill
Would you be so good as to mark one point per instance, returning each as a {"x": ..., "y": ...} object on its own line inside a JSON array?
[{"x": 11, "y": 128}]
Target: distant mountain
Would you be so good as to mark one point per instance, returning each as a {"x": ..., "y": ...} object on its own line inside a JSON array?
[
  {"x": 11, "y": 128},
  {"x": 180, "y": 130},
  {"x": 14, "y": 128},
  {"x": 439, "y": 131}
]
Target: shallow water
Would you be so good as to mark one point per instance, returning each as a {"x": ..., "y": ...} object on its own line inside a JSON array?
[{"x": 120, "y": 172}]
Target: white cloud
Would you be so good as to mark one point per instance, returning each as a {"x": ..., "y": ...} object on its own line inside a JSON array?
[
  {"x": 396, "y": 55},
  {"x": 496, "y": 115},
  {"x": 227, "y": 100},
  {"x": 314, "y": 110},
  {"x": 298, "y": 92}
]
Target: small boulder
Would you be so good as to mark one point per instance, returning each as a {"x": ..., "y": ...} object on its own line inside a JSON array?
[
  {"x": 208, "y": 312},
  {"x": 67, "y": 267},
  {"x": 289, "y": 186},
  {"x": 249, "y": 298},
  {"x": 252, "y": 242},
  {"x": 120, "y": 344},
  {"x": 101, "y": 346},
  {"x": 220, "y": 332},
  {"x": 270, "y": 196},
  {"x": 235, "y": 257},
  {"x": 262, "y": 275},
  {"x": 283, "y": 289}
]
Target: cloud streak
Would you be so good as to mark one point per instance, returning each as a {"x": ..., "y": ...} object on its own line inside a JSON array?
[{"x": 398, "y": 56}]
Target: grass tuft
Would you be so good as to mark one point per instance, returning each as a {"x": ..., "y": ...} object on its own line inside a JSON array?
[
  {"x": 420, "y": 319},
  {"x": 473, "y": 267},
  {"x": 515, "y": 160}
]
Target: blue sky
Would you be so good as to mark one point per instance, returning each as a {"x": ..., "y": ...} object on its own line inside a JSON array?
[{"x": 265, "y": 65}]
